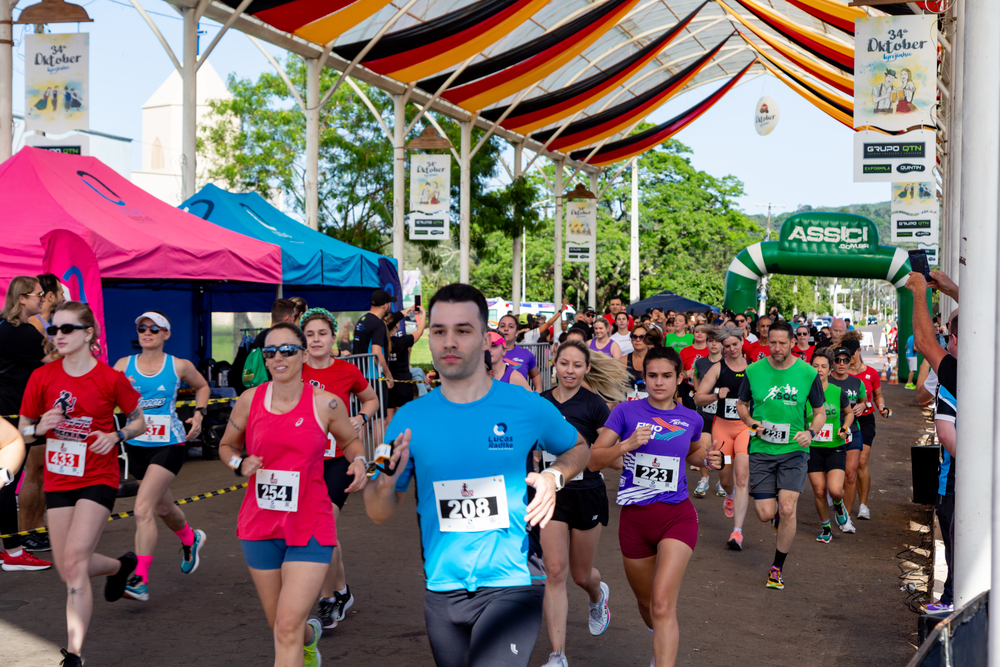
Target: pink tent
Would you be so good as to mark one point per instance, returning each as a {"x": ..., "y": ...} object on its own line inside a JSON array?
[{"x": 133, "y": 234}]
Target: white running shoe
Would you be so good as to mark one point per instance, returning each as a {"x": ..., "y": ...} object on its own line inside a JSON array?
[
  {"x": 702, "y": 487},
  {"x": 600, "y": 614},
  {"x": 863, "y": 512},
  {"x": 556, "y": 659},
  {"x": 721, "y": 492},
  {"x": 848, "y": 526}
]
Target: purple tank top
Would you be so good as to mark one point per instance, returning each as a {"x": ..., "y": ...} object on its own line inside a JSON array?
[
  {"x": 506, "y": 374},
  {"x": 606, "y": 349}
]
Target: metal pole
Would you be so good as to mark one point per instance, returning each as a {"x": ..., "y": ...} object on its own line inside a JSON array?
[
  {"x": 524, "y": 262},
  {"x": 464, "y": 205},
  {"x": 633, "y": 283},
  {"x": 592, "y": 279},
  {"x": 398, "y": 182},
  {"x": 557, "y": 191},
  {"x": 516, "y": 294},
  {"x": 312, "y": 142},
  {"x": 977, "y": 276},
  {"x": 6, "y": 81},
  {"x": 189, "y": 110}
]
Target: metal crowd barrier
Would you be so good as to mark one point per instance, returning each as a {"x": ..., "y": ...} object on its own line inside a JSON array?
[
  {"x": 543, "y": 357},
  {"x": 371, "y": 433},
  {"x": 960, "y": 640}
]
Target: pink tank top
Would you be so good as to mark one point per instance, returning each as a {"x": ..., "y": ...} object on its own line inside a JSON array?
[{"x": 288, "y": 443}]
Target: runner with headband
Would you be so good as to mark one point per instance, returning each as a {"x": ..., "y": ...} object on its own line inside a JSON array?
[
  {"x": 156, "y": 456},
  {"x": 72, "y": 402},
  {"x": 828, "y": 451},
  {"x": 499, "y": 368},
  {"x": 286, "y": 524},
  {"x": 343, "y": 379},
  {"x": 658, "y": 528}
]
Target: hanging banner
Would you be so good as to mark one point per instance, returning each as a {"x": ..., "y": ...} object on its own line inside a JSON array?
[
  {"x": 579, "y": 252},
  {"x": 56, "y": 88},
  {"x": 883, "y": 158},
  {"x": 915, "y": 213},
  {"x": 69, "y": 258},
  {"x": 895, "y": 71},
  {"x": 765, "y": 118},
  {"x": 581, "y": 221},
  {"x": 430, "y": 183},
  {"x": 429, "y": 227}
]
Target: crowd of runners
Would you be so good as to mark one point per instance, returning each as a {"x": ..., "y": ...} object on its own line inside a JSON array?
[{"x": 507, "y": 516}]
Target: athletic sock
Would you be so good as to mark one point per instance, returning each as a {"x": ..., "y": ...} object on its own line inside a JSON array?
[
  {"x": 738, "y": 530},
  {"x": 730, "y": 496},
  {"x": 826, "y": 526},
  {"x": 779, "y": 559},
  {"x": 15, "y": 553},
  {"x": 186, "y": 535},
  {"x": 838, "y": 504},
  {"x": 142, "y": 567},
  {"x": 344, "y": 591}
]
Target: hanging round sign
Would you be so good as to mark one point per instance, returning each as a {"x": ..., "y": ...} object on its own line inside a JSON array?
[{"x": 765, "y": 116}]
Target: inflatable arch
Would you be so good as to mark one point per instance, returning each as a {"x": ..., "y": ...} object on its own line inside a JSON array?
[{"x": 834, "y": 245}]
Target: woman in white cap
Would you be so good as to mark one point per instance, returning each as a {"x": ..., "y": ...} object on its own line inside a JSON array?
[{"x": 156, "y": 456}]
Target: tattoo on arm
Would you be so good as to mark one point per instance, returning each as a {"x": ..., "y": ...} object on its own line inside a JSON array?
[
  {"x": 235, "y": 425},
  {"x": 134, "y": 427},
  {"x": 73, "y": 591},
  {"x": 333, "y": 404}
]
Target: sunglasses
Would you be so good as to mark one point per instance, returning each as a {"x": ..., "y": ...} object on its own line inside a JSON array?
[
  {"x": 283, "y": 350},
  {"x": 153, "y": 329},
  {"x": 40, "y": 295},
  {"x": 639, "y": 337},
  {"x": 65, "y": 328},
  {"x": 841, "y": 360},
  {"x": 804, "y": 333},
  {"x": 741, "y": 321}
]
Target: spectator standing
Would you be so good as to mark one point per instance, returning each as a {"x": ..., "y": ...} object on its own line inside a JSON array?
[{"x": 371, "y": 336}]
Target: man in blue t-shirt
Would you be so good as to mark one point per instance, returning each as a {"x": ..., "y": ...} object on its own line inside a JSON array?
[{"x": 484, "y": 579}]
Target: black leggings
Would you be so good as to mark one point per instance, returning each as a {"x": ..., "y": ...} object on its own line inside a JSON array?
[
  {"x": 492, "y": 627},
  {"x": 8, "y": 513}
]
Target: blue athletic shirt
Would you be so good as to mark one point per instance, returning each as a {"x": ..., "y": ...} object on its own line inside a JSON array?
[
  {"x": 456, "y": 452},
  {"x": 158, "y": 403}
]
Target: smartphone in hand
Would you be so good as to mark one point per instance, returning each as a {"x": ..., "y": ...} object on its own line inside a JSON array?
[{"x": 919, "y": 263}]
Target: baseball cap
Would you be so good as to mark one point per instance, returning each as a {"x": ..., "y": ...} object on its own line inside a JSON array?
[
  {"x": 395, "y": 318},
  {"x": 158, "y": 320},
  {"x": 381, "y": 297},
  {"x": 590, "y": 311},
  {"x": 841, "y": 350},
  {"x": 497, "y": 339},
  {"x": 851, "y": 346}
]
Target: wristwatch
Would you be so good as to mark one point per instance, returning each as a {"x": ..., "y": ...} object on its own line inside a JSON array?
[
  {"x": 364, "y": 418},
  {"x": 812, "y": 433},
  {"x": 557, "y": 476},
  {"x": 28, "y": 430},
  {"x": 121, "y": 436},
  {"x": 5, "y": 477},
  {"x": 203, "y": 411},
  {"x": 236, "y": 462}
]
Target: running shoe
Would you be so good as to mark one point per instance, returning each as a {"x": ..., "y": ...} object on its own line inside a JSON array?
[
  {"x": 719, "y": 491},
  {"x": 600, "y": 617},
  {"x": 841, "y": 513},
  {"x": 774, "y": 579},
  {"x": 694, "y": 467},
  {"x": 342, "y": 602},
  {"x": 327, "y": 607},
  {"x": 70, "y": 659},
  {"x": 848, "y": 526},
  {"x": 702, "y": 487},
  {"x": 136, "y": 589},
  {"x": 26, "y": 562},
  {"x": 192, "y": 554},
  {"x": 825, "y": 536},
  {"x": 911, "y": 386},
  {"x": 937, "y": 608},
  {"x": 735, "y": 541},
  {"x": 114, "y": 589},
  {"x": 863, "y": 512},
  {"x": 312, "y": 657},
  {"x": 727, "y": 508},
  {"x": 36, "y": 542},
  {"x": 556, "y": 659}
]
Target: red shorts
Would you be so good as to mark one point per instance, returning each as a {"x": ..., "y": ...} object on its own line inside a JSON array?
[{"x": 642, "y": 527}]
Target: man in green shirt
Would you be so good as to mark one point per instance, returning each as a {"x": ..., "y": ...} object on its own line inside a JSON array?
[
  {"x": 679, "y": 338},
  {"x": 780, "y": 387}
]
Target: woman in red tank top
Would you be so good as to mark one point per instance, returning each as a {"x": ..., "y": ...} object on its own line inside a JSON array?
[{"x": 286, "y": 522}]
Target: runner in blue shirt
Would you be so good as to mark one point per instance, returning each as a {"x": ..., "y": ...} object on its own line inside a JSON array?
[{"x": 484, "y": 579}]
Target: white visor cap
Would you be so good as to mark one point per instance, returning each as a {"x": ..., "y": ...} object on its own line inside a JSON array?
[{"x": 158, "y": 320}]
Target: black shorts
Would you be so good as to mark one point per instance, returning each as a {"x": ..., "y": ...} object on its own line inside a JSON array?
[
  {"x": 98, "y": 493},
  {"x": 582, "y": 509},
  {"x": 400, "y": 394},
  {"x": 867, "y": 425},
  {"x": 825, "y": 459},
  {"x": 707, "y": 421},
  {"x": 337, "y": 479},
  {"x": 170, "y": 457}
]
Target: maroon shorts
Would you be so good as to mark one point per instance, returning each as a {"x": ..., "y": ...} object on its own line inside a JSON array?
[{"x": 642, "y": 527}]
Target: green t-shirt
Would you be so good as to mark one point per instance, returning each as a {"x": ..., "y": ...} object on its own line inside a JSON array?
[
  {"x": 678, "y": 342},
  {"x": 779, "y": 400},
  {"x": 856, "y": 393},
  {"x": 835, "y": 403}
]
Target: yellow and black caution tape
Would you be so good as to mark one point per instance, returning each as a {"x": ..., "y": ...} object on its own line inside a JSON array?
[{"x": 125, "y": 515}]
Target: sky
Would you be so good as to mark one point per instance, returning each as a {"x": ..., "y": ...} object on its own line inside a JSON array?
[{"x": 807, "y": 159}]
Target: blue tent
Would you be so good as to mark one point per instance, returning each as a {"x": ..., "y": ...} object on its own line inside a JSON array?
[
  {"x": 668, "y": 300},
  {"x": 324, "y": 271}
]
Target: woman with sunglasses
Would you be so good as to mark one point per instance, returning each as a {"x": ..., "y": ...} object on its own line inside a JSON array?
[
  {"x": 828, "y": 451},
  {"x": 286, "y": 523},
  {"x": 498, "y": 368},
  {"x": 72, "y": 402},
  {"x": 858, "y": 396},
  {"x": 156, "y": 456},
  {"x": 343, "y": 379},
  {"x": 802, "y": 349},
  {"x": 642, "y": 339}
]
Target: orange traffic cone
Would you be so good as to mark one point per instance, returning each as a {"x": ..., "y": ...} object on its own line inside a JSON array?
[
  {"x": 884, "y": 377},
  {"x": 894, "y": 377}
]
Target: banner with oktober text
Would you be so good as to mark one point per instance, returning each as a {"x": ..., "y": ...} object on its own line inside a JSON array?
[
  {"x": 915, "y": 213},
  {"x": 581, "y": 221},
  {"x": 56, "y": 82},
  {"x": 430, "y": 183}
]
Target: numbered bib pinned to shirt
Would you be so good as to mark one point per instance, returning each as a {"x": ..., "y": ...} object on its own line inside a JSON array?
[
  {"x": 656, "y": 472},
  {"x": 331, "y": 447},
  {"x": 776, "y": 434},
  {"x": 711, "y": 408},
  {"x": 472, "y": 505},
  {"x": 157, "y": 429},
  {"x": 549, "y": 459},
  {"x": 731, "y": 412},
  {"x": 277, "y": 490},
  {"x": 63, "y": 457},
  {"x": 825, "y": 434}
]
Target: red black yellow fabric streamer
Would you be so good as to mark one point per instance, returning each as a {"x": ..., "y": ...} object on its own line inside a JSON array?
[
  {"x": 837, "y": 108},
  {"x": 831, "y": 12}
]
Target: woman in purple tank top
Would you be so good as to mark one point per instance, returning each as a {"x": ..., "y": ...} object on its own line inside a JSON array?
[
  {"x": 500, "y": 369},
  {"x": 601, "y": 342}
]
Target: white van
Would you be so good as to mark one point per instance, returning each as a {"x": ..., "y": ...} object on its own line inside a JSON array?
[{"x": 499, "y": 307}]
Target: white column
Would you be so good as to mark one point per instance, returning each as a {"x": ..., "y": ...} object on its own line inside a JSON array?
[
  {"x": 515, "y": 264},
  {"x": 312, "y": 142},
  {"x": 464, "y": 204},
  {"x": 633, "y": 282},
  {"x": 6, "y": 82},
  {"x": 557, "y": 286},
  {"x": 592, "y": 279},
  {"x": 977, "y": 276},
  {"x": 953, "y": 199},
  {"x": 189, "y": 109},
  {"x": 398, "y": 181}
]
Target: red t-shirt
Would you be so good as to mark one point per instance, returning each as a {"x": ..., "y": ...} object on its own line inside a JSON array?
[
  {"x": 611, "y": 321},
  {"x": 871, "y": 380},
  {"x": 806, "y": 354},
  {"x": 690, "y": 353},
  {"x": 341, "y": 379},
  {"x": 89, "y": 403},
  {"x": 757, "y": 352}
]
